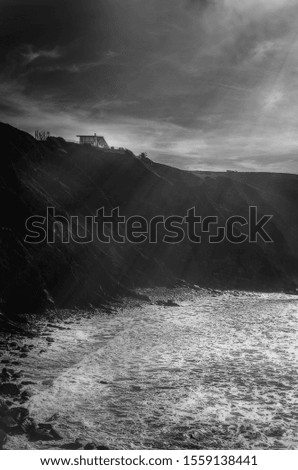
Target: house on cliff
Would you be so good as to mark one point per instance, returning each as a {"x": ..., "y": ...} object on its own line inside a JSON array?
[
  {"x": 100, "y": 143},
  {"x": 94, "y": 140}
]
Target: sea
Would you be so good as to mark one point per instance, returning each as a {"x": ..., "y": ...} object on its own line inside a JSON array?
[{"x": 216, "y": 371}]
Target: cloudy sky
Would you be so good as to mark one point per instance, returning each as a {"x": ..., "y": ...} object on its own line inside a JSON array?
[{"x": 199, "y": 84}]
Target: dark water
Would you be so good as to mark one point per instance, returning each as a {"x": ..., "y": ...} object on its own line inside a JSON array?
[{"x": 217, "y": 372}]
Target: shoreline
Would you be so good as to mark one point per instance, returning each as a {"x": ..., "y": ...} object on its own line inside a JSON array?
[
  {"x": 16, "y": 422},
  {"x": 15, "y": 391},
  {"x": 15, "y": 419}
]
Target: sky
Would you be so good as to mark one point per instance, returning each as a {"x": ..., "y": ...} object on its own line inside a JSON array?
[{"x": 197, "y": 84}]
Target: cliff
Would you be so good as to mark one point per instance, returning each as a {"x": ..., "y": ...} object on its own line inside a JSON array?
[{"x": 78, "y": 180}]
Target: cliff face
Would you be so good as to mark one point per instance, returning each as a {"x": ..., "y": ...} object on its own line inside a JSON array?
[{"x": 78, "y": 180}]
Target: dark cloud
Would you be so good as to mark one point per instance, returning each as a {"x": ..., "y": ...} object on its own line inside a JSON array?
[{"x": 190, "y": 77}]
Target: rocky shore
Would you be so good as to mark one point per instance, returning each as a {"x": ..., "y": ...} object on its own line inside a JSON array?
[
  {"x": 15, "y": 419},
  {"x": 17, "y": 341},
  {"x": 63, "y": 344}
]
